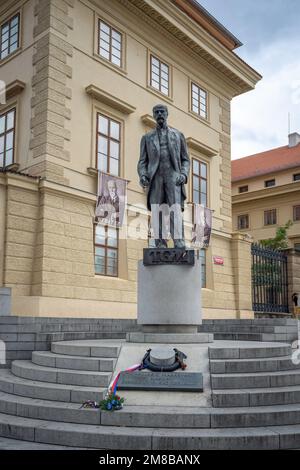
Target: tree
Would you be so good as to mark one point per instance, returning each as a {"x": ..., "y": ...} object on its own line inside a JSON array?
[{"x": 280, "y": 241}]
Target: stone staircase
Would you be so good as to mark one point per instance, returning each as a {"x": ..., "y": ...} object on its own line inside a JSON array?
[
  {"x": 255, "y": 401},
  {"x": 259, "y": 329},
  {"x": 23, "y": 335}
]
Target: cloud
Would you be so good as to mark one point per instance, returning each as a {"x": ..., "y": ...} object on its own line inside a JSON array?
[
  {"x": 260, "y": 117},
  {"x": 270, "y": 32}
]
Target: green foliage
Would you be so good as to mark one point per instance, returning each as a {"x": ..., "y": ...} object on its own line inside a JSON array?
[{"x": 280, "y": 241}]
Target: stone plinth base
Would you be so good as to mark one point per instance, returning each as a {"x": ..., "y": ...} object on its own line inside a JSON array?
[
  {"x": 169, "y": 338},
  {"x": 169, "y": 295}
]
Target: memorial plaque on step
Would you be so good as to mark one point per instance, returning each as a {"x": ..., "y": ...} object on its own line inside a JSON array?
[
  {"x": 159, "y": 256},
  {"x": 165, "y": 381}
]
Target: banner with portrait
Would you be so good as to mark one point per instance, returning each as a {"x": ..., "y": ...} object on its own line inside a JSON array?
[
  {"x": 202, "y": 224},
  {"x": 111, "y": 200}
]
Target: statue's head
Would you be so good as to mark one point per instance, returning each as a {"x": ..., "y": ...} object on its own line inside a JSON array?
[{"x": 160, "y": 114}]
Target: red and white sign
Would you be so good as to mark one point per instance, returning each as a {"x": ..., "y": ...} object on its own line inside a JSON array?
[{"x": 218, "y": 260}]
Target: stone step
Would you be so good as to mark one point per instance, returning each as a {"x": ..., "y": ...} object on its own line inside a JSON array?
[
  {"x": 244, "y": 350},
  {"x": 48, "y": 391},
  {"x": 49, "y": 359},
  {"x": 189, "y": 417},
  {"x": 151, "y": 416},
  {"x": 17, "y": 444},
  {"x": 77, "y": 336},
  {"x": 239, "y": 336},
  {"x": 241, "y": 328},
  {"x": 235, "y": 366},
  {"x": 255, "y": 380},
  {"x": 288, "y": 337},
  {"x": 48, "y": 410},
  {"x": 254, "y": 322},
  {"x": 256, "y": 397},
  {"x": 228, "y": 328},
  {"x": 121, "y": 438},
  {"x": 28, "y": 370},
  {"x": 96, "y": 348}
]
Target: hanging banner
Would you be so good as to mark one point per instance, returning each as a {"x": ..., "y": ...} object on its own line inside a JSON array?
[
  {"x": 201, "y": 232},
  {"x": 111, "y": 200}
]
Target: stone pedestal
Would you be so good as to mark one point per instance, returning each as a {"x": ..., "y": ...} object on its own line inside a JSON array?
[
  {"x": 5, "y": 301},
  {"x": 169, "y": 298}
]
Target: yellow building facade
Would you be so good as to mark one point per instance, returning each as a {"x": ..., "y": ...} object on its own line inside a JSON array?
[
  {"x": 81, "y": 78},
  {"x": 266, "y": 192}
]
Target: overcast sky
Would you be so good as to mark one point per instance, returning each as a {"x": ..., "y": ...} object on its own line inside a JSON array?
[{"x": 270, "y": 32}]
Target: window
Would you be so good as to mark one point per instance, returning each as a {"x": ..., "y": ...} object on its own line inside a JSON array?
[
  {"x": 10, "y": 36},
  {"x": 110, "y": 44},
  {"x": 7, "y": 137},
  {"x": 203, "y": 267},
  {"x": 199, "y": 182},
  {"x": 106, "y": 250},
  {"x": 159, "y": 75},
  {"x": 199, "y": 101},
  {"x": 243, "y": 189},
  {"x": 243, "y": 221},
  {"x": 108, "y": 145},
  {"x": 270, "y": 217},
  {"x": 296, "y": 177},
  {"x": 269, "y": 183},
  {"x": 296, "y": 213},
  {"x": 297, "y": 247}
]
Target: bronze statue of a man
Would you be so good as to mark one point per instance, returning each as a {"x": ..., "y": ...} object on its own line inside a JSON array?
[{"x": 163, "y": 169}]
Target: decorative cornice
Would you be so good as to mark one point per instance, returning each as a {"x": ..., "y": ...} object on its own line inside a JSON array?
[
  {"x": 105, "y": 97},
  {"x": 267, "y": 192},
  {"x": 199, "y": 14},
  {"x": 175, "y": 22},
  {"x": 201, "y": 147}
]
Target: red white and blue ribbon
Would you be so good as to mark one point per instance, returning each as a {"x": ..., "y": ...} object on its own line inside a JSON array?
[{"x": 114, "y": 384}]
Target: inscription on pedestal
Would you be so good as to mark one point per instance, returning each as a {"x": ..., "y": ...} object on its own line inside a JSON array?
[
  {"x": 158, "y": 256},
  {"x": 167, "y": 381}
]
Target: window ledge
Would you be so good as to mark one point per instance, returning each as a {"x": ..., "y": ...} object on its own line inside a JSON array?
[
  {"x": 92, "y": 171},
  {"x": 11, "y": 167},
  {"x": 159, "y": 94},
  {"x": 200, "y": 147},
  {"x": 148, "y": 120},
  {"x": 10, "y": 56},
  {"x": 14, "y": 88},
  {"x": 107, "y": 98}
]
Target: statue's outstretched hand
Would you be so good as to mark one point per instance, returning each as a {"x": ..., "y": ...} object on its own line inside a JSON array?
[{"x": 180, "y": 180}]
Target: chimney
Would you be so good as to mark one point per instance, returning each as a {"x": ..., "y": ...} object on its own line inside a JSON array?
[{"x": 294, "y": 139}]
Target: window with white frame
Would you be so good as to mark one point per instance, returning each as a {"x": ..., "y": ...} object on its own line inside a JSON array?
[
  {"x": 110, "y": 44},
  {"x": 10, "y": 36},
  {"x": 199, "y": 101},
  {"x": 7, "y": 137},
  {"x": 108, "y": 145},
  {"x": 199, "y": 182},
  {"x": 106, "y": 250},
  {"x": 159, "y": 75}
]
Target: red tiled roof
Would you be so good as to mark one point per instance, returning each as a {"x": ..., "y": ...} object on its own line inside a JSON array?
[{"x": 263, "y": 163}]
